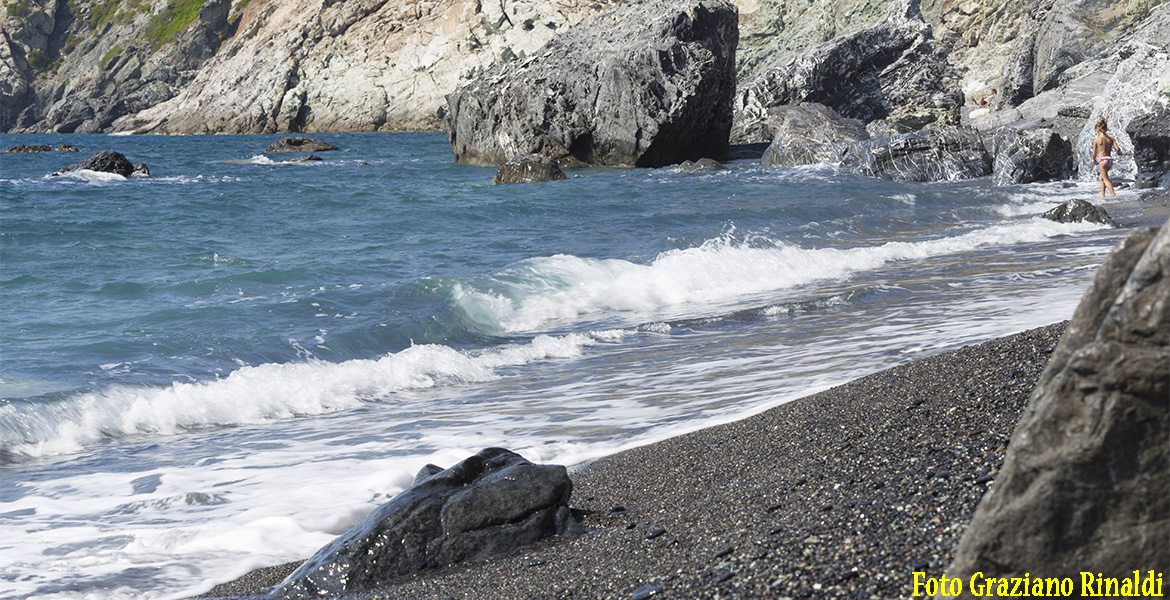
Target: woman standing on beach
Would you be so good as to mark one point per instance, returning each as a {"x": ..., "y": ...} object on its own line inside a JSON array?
[{"x": 1103, "y": 147}]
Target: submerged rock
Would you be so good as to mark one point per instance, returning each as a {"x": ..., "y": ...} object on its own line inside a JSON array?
[
  {"x": 1079, "y": 211},
  {"x": 40, "y": 148},
  {"x": 809, "y": 133},
  {"x": 937, "y": 153},
  {"x": 104, "y": 162},
  {"x": 1029, "y": 156},
  {"x": 299, "y": 144},
  {"x": 491, "y": 503},
  {"x": 1084, "y": 482},
  {"x": 703, "y": 165},
  {"x": 645, "y": 84},
  {"x": 886, "y": 69},
  {"x": 528, "y": 168}
]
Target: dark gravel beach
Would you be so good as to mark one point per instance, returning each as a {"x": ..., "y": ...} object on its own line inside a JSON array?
[{"x": 841, "y": 494}]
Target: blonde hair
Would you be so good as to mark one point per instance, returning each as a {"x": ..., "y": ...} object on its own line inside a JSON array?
[{"x": 1102, "y": 125}]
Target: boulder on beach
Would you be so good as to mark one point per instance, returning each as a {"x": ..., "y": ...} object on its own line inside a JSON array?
[
  {"x": 936, "y": 153},
  {"x": 1083, "y": 487},
  {"x": 491, "y": 503},
  {"x": 529, "y": 168},
  {"x": 1029, "y": 156},
  {"x": 299, "y": 144},
  {"x": 645, "y": 84},
  {"x": 809, "y": 133},
  {"x": 1079, "y": 211},
  {"x": 889, "y": 68},
  {"x": 103, "y": 162}
]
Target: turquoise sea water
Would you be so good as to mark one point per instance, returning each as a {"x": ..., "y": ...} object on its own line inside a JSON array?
[{"x": 225, "y": 365}]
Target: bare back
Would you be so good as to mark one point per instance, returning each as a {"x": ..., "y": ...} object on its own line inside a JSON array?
[{"x": 1103, "y": 145}]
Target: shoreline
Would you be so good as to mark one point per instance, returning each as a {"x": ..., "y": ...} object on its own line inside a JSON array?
[{"x": 843, "y": 492}]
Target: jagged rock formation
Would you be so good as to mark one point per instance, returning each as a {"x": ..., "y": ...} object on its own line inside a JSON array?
[
  {"x": 882, "y": 70},
  {"x": 1039, "y": 154},
  {"x": 1150, "y": 135},
  {"x": 1084, "y": 482},
  {"x": 809, "y": 133},
  {"x": 491, "y": 503},
  {"x": 528, "y": 168},
  {"x": 703, "y": 165},
  {"x": 646, "y": 84},
  {"x": 67, "y": 67},
  {"x": 936, "y": 153}
]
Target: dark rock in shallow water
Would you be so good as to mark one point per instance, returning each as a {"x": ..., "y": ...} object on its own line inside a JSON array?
[
  {"x": 1150, "y": 135},
  {"x": 104, "y": 162},
  {"x": 937, "y": 153},
  {"x": 19, "y": 148},
  {"x": 703, "y": 165},
  {"x": 1083, "y": 486},
  {"x": 304, "y": 159},
  {"x": 1079, "y": 211},
  {"x": 299, "y": 144},
  {"x": 883, "y": 70},
  {"x": 492, "y": 503},
  {"x": 1030, "y": 156},
  {"x": 645, "y": 84},
  {"x": 528, "y": 168},
  {"x": 141, "y": 170},
  {"x": 809, "y": 133}
]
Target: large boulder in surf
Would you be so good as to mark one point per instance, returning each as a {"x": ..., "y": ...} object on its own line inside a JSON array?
[
  {"x": 1083, "y": 486},
  {"x": 936, "y": 153},
  {"x": 889, "y": 68},
  {"x": 491, "y": 503},
  {"x": 1150, "y": 134},
  {"x": 1039, "y": 154},
  {"x": 809, "y": 133},
  {"x": 528, "y": 168},
  {"x": 103, "y": 162},
  {"x": 645, "y": 84}
]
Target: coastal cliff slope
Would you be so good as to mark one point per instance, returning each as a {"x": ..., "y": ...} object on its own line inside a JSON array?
[{"x": 263, "y": 66}]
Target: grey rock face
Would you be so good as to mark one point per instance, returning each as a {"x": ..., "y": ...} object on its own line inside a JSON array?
[
  {"x": 937, "y": 153},
  {"x": 104, "y": 162},
  {"x": 1079, "y": 211},
  {"x": 809, "y": 133},
  {"x": 529, "y": 168},
  {"x": 1083, "y": 486},
  {"x": 877, "y": 72},
  {"x": 1150, "y": 135},
  {"x": 646, "y": 84},
  {"x": 299, "y": 144},
  {"x": 492, "y": 503},
  {"x": 1057, "y": 36},
  {"x": 1028, "y": 156}
]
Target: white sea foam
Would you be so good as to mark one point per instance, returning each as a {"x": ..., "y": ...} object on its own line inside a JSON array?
[
  {"x": 87, "y": 176},
  {"x": 259, "y": 394},
  {"x": 544, "y": 293}
]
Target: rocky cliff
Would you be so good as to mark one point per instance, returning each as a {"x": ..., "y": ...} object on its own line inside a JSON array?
[{"x": 195, "y": 66}]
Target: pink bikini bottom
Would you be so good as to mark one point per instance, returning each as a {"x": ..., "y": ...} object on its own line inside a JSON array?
[{"x": 1108, "y": 159}]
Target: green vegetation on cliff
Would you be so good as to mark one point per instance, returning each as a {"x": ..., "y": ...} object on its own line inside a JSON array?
[{"x": 165, "y": 25}]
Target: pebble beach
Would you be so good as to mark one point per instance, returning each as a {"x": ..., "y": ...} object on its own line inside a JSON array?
[{"x": 845, "y": 493}]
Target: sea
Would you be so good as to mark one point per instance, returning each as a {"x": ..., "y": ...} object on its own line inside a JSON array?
[{"x": 225, "y": 365}]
